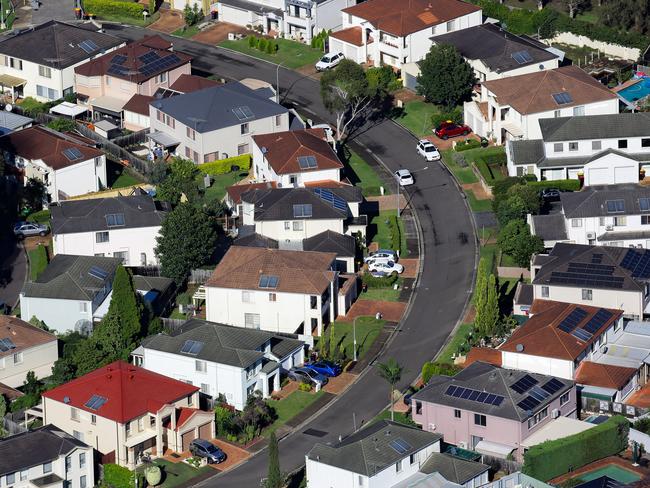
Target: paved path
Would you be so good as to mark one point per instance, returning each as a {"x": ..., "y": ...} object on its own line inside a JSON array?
[
  {"x": 13, "y": 269},
  {"x": 54, "y": 10}
]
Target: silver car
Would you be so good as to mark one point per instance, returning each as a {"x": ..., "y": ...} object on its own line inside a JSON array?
[{"x": 27, "y": 229}]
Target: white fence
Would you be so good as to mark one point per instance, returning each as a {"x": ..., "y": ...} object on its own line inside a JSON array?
[{"x": 615, "y": 50}]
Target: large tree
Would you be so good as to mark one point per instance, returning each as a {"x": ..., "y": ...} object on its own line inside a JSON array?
[
  {"x": 445, "y": 77},
  {"x": 127, "y": 305},
  {"x": 181, "y": 180},
  {"x": 186, "y": 241},
  {"x": 515, "y": 240}
]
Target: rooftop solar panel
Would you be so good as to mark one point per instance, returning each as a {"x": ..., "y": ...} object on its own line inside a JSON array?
[
  {"x": 474, "y": 395},
  {"x": 95, "y": 402},
  {"x": 597, "y": 258},
  {"x": 581, "y": 334},
  {"x": 553, "y": 385},
  {"x": 599, "y": 319},
  {"x": 307, "y": 162},
  {"x": 528, "y": 404},
  {"x": 400, "y": 446},
  {"x": 192, "y": 347},
  {"x": 119, "y": 59},
  {"x": 72, "y": 153},
  {"x": 523, "y": 384},
  {"x": 97, "y": 272},
  {"x": 572, "y": 320},
  {"x": 334, "y": 200},
  {"x": 268, "y": 281}
]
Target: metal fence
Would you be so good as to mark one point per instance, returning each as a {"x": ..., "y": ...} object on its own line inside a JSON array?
[{"x": 139, "y": 137}]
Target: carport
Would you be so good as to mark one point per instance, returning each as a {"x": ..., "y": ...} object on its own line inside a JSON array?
[{"x": 12, "y": 82}]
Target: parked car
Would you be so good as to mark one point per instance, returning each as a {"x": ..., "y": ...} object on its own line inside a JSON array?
[
  {"x": 206, "y": 449},
  {"x": 551, "y": 195},
  {"x": 450, "y": 129},
  {"x": 389, "y": 267},
  {"x": 326, "y": 368},
  {"x": 306, "y": 375},
  {"x": 381, "y": 255},
  {"x": 26, "y": 229},
  {"x": 404, "y": 177},
  {"x": 329, "y": 61},
  {"x": 428, "y": 150}
]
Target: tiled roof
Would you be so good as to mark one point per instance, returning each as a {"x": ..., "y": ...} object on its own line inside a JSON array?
[
  {"x": 550, "y": 227},
  {"x": 235, "y": 191},
  {"x": 191, "y": 83},
  {"x": 351, "y": 35},
  {"x": 10, "y": 393},
  {"x": 603, "y": 375},
  {"x": 139, "y": 104},
  {"x": 483, "y": 354},
  {"x": 453, "y": 468},
  {"x": 22, "y": 334},
  {"x": 330, "y": 241},
  {"x": 591, "y": 201}
]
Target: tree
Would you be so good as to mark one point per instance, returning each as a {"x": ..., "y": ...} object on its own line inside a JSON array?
[
  {"x": 445, "y": 77},
  {"x": 346, "y": 94},
  {"x": 391, "y": 371},
  {"x": 62, "y": 124},
  {"x": 180, "y": 181},
  {"x": 274, "y": 478},
  {"x": 31, "y": 385},
  {"x": 430, "y": 369},
  {"x": 518, "y": 201},
  {"x": 127, "y": 306},
  {"x": 191, "y": 15},
  {"x": 574, "y": 6},
  {"x": 186, "y": 241},
  {"x": 38, "y": 323},
  {"x": 33, "y": 194},
  {"x": 515, "y": 240},
  {"x": 486, "y": 301},
  {"x": 64, "y": 370}
]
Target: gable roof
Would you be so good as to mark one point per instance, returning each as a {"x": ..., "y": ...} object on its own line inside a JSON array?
[
  {"x": 57, "y": 44},
  {"x": 39, "y": 142},
  {"x": 139, "y": 104},
  {"x": 283, "y": 149},
  {"x": 592, "y": 200},
  {"x": 604, "y": 375},
  {"x": 22, "y": 335},
  {"x": 368, "y": 451},
  {"x": 403, "y": 18},
  {"x": 453, "y": 468},
  {"x": 585, "y": 127},
  {"x": 214, "y": 108},
  {"x": 236, "y": 191},
  {"x": 130, "y": 391},
  {"x": 297, "y": 271},
  {"x": 190, "y": 83},
  {"x": 533, "y": 92},
  {"x": 490, "y": 379},
  {"x": 330, "y": 241},
  {"x": 541, "y": 334},
  {"x": 495, "y": 47}
]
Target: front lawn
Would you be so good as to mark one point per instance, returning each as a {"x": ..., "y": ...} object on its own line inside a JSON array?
[
  {"x": 400, "y": 417},
  {"x": 478, "y": 205},
  {"x": 416, "y": 117},
  {"x": 37, "y": 261},
  {"x": 389, "y": 294},
  {"x": 459, "y": 338},
  {"x": 289, "y": 407},
  {"x": 176, "y": 474},
  {"x": 290, "y": 54},
  {"x": 217, "y": 190},
  {"x": 363, "y": 175},
  {"x": 463, "y": 174},
  {"x": 186, "y": 31},
  {"x": 367, "y": 329},
  {"x": 380, "y": 231}
]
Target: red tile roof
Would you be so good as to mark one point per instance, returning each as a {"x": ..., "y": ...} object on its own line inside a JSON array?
[
  {"x": 183, "y": 414},
  {"x": 603, "y": 375},
  {"x": 139, "y": 104},
  {"x": 191, "y": 83},
  {"x": 22, "y": 334},
  {"x": 351, "y": 35},
  {"x": 327, "y": 184},
  {"x": 483, "y": 354},
  {"x": 130, "y": 391},
  {"x": 236, "y": 191}
]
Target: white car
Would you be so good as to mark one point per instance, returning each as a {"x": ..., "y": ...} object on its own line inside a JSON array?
[
  {"x": 428, "y": 151},
  {"x": 329, "y": 61},
  {"x": 388, "y": 267},
  {"x": 381, "y": 255},
  {"x": 404, "y": 177}
]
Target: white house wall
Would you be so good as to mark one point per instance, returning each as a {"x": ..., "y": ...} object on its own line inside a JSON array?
[
  {"x": 537, "y": 364},
  {"x": 629, "y": 301},
  {"x": 58, "y": 315},
  {"x": 274, "y": 229},
  {"x": 584, "y": 230},
  {"x": 38, "y": 359}
]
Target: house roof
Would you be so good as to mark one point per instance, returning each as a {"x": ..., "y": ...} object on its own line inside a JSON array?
[
  {"x": 10, "y": 393},
  {"x": 235, "y": 191},
  {"x": 592, "y": 200},
  {"x": 585, "y": 127},
  {"x": 550, "y": 227},
  {"x": 493, "y": 380},
  {"x": 603, "y": 375},
  {"x": 283, "y": 149},
  {"x": 49, "y": 146},
  {"x": 253, "y": 239},
  {"x": 191, "y": 83},
  {"x": 524, "y": 294},
  {"x": 10, "y": 121},
  {"x": 297, "y": 271},
  {"x": 68, "y": 277},
  {"x": 219, "y": 107},
  {"x": 330, "y": 241},
  {"x": 57, "y": 44},
  {"x": 92, "y": 215},
  {"x": 152, "y": 283},
  {"x": 498, "y": 49},
  {"x": 130, "y": 391},
  {"x": 542, "y": 335},
  {"x": 22, "y": 335},
  {"x": 369, "y": 450},
  {"x": 136, "y": 62},
  {"x": 403, "y": 18},
  {"x": 485, "y": 355},
  {"x": 139, "y": 104},
  {"x": 352, "y": 35},
  {"x": 223, "y": 344},
  {"x": 533, "y": 92},
  {"x": 35, "y": 447},
  {"x": 452, "y": 468}
]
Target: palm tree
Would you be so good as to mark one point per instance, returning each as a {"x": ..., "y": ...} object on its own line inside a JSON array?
[{"x": 391, "y": 371}]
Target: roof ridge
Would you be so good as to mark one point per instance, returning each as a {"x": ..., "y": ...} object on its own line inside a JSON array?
[
  {"x": 538, "y": 88},
  {"x": 500, "y": 372}
]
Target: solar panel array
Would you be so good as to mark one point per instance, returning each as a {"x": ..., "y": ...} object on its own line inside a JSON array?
[
  {"x": 588, "y": 274},
  {"x": 6, "y": 344},
  {"x": 474, "y": 395},
  {"x": 400, "y": 446},
  {"x": 536, "y": 395},
  {"x": 192, "y": 347},
  {"x": 637, "y": 262},
  {"x": 599, "y": 319},
  {"x": 88, "y": 46},
  {"x": 95, "y": 402},
  {"x": 522, "y": 57},
  {"x": 269, "y": 281},
  {"x": 119, "y": 59},
  {"x": 334, "y": 200},
  {"x": 572, "y": 320},
  {"x": 97, "y": 272},
  {"x": 307, "y": 162},
  {"x": 553, "y": 386},
  {"x": 154, "y": 66},
  {"x": 72, "y": 153},
  {"x": 524, "y": 384},
  {"x": 149, "y": 57},
  {"x": 562, "y": 98},
  {"x": 115, "y": 220},
  {"x": 243, "y": 113},
  {"x": 302, "y": 210},
  {"x": 596, "y": 258}
]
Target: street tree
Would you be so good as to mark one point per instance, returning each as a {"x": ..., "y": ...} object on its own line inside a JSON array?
[
  {"x": 515, "y": 240},
  {"x": 391, "y": 371},
  {"x": 274, "y": 477}
]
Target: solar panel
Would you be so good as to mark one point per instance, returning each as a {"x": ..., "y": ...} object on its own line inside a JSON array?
[
  {"x": 95, "y": 402},
  {"x": 268, "y": 281},
  {"x": 615, "y": 206},
  {"x": 97, "y": 272},
  {"x": 334, "y": 200},
  {"x": 528, "y": 404},
  {"x": 72, "y": 153},
  {"x": 538, "y": 393},
  {"x": 115, "y": 220},
  {"x": 6, "y": 344},
  {"x": 644, "y": 204},
  {"x": 581, "y": 334},
  {"x": 597, "y": 258},
  {"x": 149, "y": 57},
  {"x": 572, "y": 320},
  {"x": 637, "y": 262},
  {"x": 247, "y": 112},
  {"x": 400, "y": 446},
  {"x": 591, "y": 268},
  {"x": 243, "y": 113},
  {"x": 599, "y": 319},
  {"x": 562, "y": 98},
  {"x": 522, "y": 57},
  {"x": 553, "y": 385},
  {"x": 192, "y": 347},
  {"x": 474, "y": 395},
  {"x": 307, "y": 162},
  {"x": 302, "y": 210},
  {"x": 88, "y": 46},
  {"x": 119, "y": 59},
  {"x": 575, "y": 278},
  {"x": 524, "y": 384}
]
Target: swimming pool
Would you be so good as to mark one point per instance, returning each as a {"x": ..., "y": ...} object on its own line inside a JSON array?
[
  {"x": 614, "y": 471},
  {"x": 636, "y": 91}
]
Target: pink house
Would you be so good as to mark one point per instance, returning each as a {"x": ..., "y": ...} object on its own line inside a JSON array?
[{"x": 492, "y": 410}]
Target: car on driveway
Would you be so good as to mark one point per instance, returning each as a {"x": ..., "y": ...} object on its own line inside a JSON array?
[
  {"x": 206, "y": 449},
  {"x": 27, "y": 229},
  {"x": 451, "y": 129},
  {"x": 381, "y": 255},
  {"x": 329, "y": 61},
  {"x": 551, "y": 195},
  {"x": 326, "y": 368},
  {"x": 404, "y": 177},
  {"x": 428, "y": 150},
  {"x": 389, "y": 267},
  {"x": 306, "y": 375}
]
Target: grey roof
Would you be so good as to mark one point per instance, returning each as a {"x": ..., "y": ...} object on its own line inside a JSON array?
[
  {"x": 214, "y": 108},
  {"x": 618, "y": 236},
  {"x": 550, "y": 227},
  {"x": 224, "y": 344},
  {"x": 12, "y": 121},
  {"x": 253, "y": 239},
  {"x": 68, "y": 277},
  {"x": 21, "y": 451},
  {"x": 591, "y": 201},
  {"x": 369, "y": 450},
  {"x": 494, "y": 46},
  {"x": 491, "y": 379},
  {"x": 330, "y": 241},
  {"x": 453, "y": 468},
  {"x": 56, "y": 44},
  {"x": 253, "y": 7},
  {"x": 609, "y": 126},
  {"x": 148, "y": 283},
  {"x": 73, "y": 216},
  {"x": 270, "y": 366},
  {"x": 527, "y": 151},
  {"x": 524, "y": 294}
]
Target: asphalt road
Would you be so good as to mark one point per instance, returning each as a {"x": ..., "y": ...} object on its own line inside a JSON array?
[
  {"x": 13, "y": 268},
  {"x": 449, "y": 250}
]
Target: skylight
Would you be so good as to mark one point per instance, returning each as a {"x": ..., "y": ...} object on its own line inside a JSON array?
[
  {"x": 615, "y": 206},
  {"x": 562, "y": 98},
  {"x": 269, "y": 281},
  {"x": 115, "y": 220},
  {"x": 72, "y": 153},
  {"x": 192, "y": 347},
  {"x": 307, "y": 162},
  {"x": 95, "y": 402},
  {"x": 522, "y": 57},
  {"x": 302, "y": 210}
]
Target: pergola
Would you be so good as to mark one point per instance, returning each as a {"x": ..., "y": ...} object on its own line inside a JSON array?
[{"x": 8, "y": 81}]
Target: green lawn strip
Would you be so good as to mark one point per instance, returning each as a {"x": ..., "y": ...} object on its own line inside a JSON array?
[
  {"x": 186, "y": 32},
  {"x": 218, "y": 188},
  {"x": 125, "y": 179},
  {"x": 507, "y": 260},
  {"x": 368, "y": 328},
  {"x": 402, "y": 418},
  {"x": 290, "y": 54},
  {"x": 416, "y": 117},
  {"x": 289, "y": 407},
  {"x": 37, "y": 261},
  {"x": 382, "y": 229},
  {"x": 453, "y": 345},
  {"x": 478, "y": 205},
  {"x": 463, "y": 175},
  {"x": 489, "y": 252},
  {"x": 176, "y": 474},
  {"x": 384, "y": 294},
  {"x": 41, "y": 217},
  {"x": 364, "y": 175}
]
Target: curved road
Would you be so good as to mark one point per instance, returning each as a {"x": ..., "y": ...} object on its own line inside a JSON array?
[{"x": 448, "y": 249}]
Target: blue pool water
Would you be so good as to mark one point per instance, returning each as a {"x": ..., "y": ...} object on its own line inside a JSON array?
[{"x": 636, "y": 91}]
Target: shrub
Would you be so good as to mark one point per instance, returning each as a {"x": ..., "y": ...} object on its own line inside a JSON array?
[
  {"x": 42, "y": 217},
  {"x": 467, "y": 144},
  {"x": 433, "y": 369},
  {"x": 304, "y": 387},
  {"x": 62, "y": 124},
  {"x": 455, "y": 115},
  {"x": 224, "y": 166},
  {"x": 378, "y": 282},
  {"x": 252, "y": 41},
  {"x": 459, "y": 159},
  {"x": 109, "y": 8},
  {"x": 395, "y": 233},
  {"x": 32, "y": 107},
  {"x": 496, "y": 158},
  {"x": 261, "y": 44},
  {"x": 563, "y": 185}
]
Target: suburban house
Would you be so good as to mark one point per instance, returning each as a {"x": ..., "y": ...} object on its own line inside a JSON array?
[
  {"x": 222, "y": 359},
  {"x": 610, "y": 215},
  {"x": 294, "y": 158},
  {"x": 40, "y": 62},
  {"x": 10, "y": 122},
  {"x": 68, "y": 292},
  {"x": 46, "y": 456},
  {"x": 492, "y": 410},
  {"x": 274, "y": 290},
  {"x": 510, "y": 108},
  {"x": 25, "y": 348},
  {"x": 616, "y": 382},
  {"x": 124, "y": 411},
  {"x": 215, "y": 123},
  {"x": 123, "y": 227},
  {"x": 69, "y": 165},
  {"x": 142, "y": 67},
  {"x": 610, "y": 277},
  {"x": 600, "y": 149},
  {"x": 234, "y": 193},
  {"x": 384, "y": 32}
]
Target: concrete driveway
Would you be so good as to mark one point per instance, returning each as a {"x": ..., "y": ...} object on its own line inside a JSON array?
[{"x": 54, "y": 10}]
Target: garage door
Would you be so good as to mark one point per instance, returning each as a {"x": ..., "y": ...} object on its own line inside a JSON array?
[
  {"x": 573, "y": 173},
  {"x": 626, "y": 174},
  {"x": 205, "y": 431},
  {"x": 187, "y": 438},
  {"x": 597, "y": 176}
]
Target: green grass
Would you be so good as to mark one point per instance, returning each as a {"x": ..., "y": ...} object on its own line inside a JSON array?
[
  {"x": 42, "y": 217},
  {"x": 218, "y": 188},
  {"x": 37, "y": 261},
  {"x": 127, "y": 19},
  {"x": 119, "y": 176},
  {"x": 364, "y": 176},
  {"x": 289, "y": 407},
  {"x": 176, "y": 474},
  {"x": 367, "y": 329},
  {"x": 186, "y": 32},
  {"x": 402, "y": 418},
  {"x": 290, "y": 54},
  {"x": 383, "y": 234},
  {"x": 478, "y": 205},
  {"x": 9, "y": 21},
  {"x": 125, "y": 179},
  {"x": 385, "y": 294},
  {"x": 481, "y": 156},
  {"x": 489, "y": 252},
  {"x": 463, "y": 175},
  {"x": 416, "y": 117},
  {"x": 454, "y": 344},
  {"x": 507, "y": 260}
]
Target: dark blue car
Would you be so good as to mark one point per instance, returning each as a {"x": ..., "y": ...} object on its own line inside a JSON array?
[{"x": 326, "y": 368}]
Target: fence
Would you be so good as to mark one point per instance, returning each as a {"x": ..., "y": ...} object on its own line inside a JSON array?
[
  {"x": 139, "y": 137},
  {"x": 200, "y": 276},
  {"x": 595, "y": 405},
  {"x": 11, "y": 427},
  {"x": 171, "y": 325}
]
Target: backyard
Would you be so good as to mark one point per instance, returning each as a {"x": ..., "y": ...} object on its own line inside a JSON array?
[
  {"x": 388, "y": 294},
  {"x": 217, "y": 189},
  {"x": 290, "y": 54},
  {"x": 119, "y": 176}
]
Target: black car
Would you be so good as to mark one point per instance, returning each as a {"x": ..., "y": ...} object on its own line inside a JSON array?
[
  {"x": 551, "y": 195},
  {"x": 205, "y": 449}
]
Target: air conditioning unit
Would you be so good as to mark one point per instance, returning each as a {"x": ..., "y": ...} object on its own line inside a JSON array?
[
  {"x": 609, "y": 227},
  {"x": 591, "y": 235},
  {"x": 462, "y": 445},
  {"x": 555, "y": 413}
]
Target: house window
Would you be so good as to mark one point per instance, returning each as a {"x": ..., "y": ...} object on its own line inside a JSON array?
[
  {"x": 45, "y": 92},
  {"x": 480, "y": 420},
  {"x": 413, "y": 458},
  {"x": 278, "y": 120},
  {"x": 538, "y": 417},
  {"x": 98, "y": 162},
  {"x": 188, "y": 152},
  {"x": 68, "y": 463},
  {"x": 645, "y": 220},
  {"x": 127, "y": 427},
  {"x": 273, "y": 297},
  {"x": 23, "y": 475},
  {"x": 195, "y": 157},
  {"x": 576, "y": 222},
  {"x": 398, "y": 466},
  {"x": 557, "y": 113},
  {"x": 313, "y": 301},
  {"x": 10, "y": 479},
  {"x": 349, "y": 18},
  {"x": 200, "y": 366},
  {"x": 645, "y": 142},
  {"x": 78, "y": 435},
  {"x": 287, "y": 226},
  {"x": 74, "y": 414},
  {"x": 108, "y": 80},
  {"x": 82, "y": 481},
  {"x": 622, "y": 143},
  {"x": 170, "y": 122},
  {"x": 191, "y": 133},
  {"x": 545, "y": 292},
  {"x": 14, "y": 63},
  {"x": 587, "y": 294},
  {"x": 213, "y": 156},
  {"x": 564, "y": 398},
  {"x": 242, "y": 149},
  {"x": 143, "y": 258},
  {"x": 93, "y": 419},
  {"x": 161, "y": 78},
  {"x": 298, "y": 225},
  {"x": 573, "y": 146},
  {"x": 615, "y": 206},
  {"x": 457, "y": 413},
  {"x": 123, "y": 255},
  {"x": 247, "y": 297},
  {"x": 244, "y": 128},
  {"x": 83, "y": 307},
  {"x": 450, "y": 26},
  {"x": 160, "y": 116},
  {"x": 190, "y": 399},
  {"x": 101, "y": 237},
  {"x": 596, "y": 145},
  {"x": 620, "y": 221},
  {"x": 18, "y": 358},
  {"x": 601, "y": 221},
  {"x": 252, "y": 320},
  {"x": 418, "y": 408},
  {"x": 45, "y": 72},
  {"x": 558, "y": 147},
  {"x": 579, "y": 110},
  {"x": 47, "y": 467}
]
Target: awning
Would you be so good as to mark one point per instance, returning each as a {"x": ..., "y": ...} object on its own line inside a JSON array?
[
  {"x": 598, "y": 393},
  {"x": 139, "y": 438},
  {"x": 68, "y": 109},
  {"x": 514, "y": 129},
  {"x": 494, "y": 449},
  {"x": 11, "y": 81},
  {"x": 111, "y": 104},
  {"x": 165, "y": 140},
  {"x": 47, "y": 480}
]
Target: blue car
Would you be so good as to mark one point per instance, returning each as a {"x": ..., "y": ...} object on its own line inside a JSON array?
[{"x": 326, "y": 368}]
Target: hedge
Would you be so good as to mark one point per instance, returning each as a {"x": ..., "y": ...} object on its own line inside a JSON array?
[
  {"x": 378, "y": 282},
  {"x": 554, "y": 458},
  {"x": 224, "y": 166},
  {"x": 467, "y": 144},
  {"x": 114, "y": 7},
  {"x": 563, "y": 185},
  {"x": 395, "y": 234}
]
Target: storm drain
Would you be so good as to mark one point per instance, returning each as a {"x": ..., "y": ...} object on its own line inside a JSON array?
[{"x": 315, "y": 433}]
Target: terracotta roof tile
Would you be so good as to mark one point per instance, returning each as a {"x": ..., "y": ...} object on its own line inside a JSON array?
[
  {"x": 22, "y": 334},
  {"x": 603, "y": 375},
  {"x": 139, "y": 104},
  {"x": 10, "y": 393},
  {"x": 235, "y": 191},
  {"x": 191, "y": 83},
  {"x": 351, "y": 35},
  {"x": 484, "y": 354}
]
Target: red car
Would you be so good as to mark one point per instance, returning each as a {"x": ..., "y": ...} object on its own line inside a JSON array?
[{"x": 450, "y": 129}]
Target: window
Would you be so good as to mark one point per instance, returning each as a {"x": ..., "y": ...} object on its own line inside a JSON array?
[
  {"x": 195, "y": 157},
  {"x": 68, "y": 463},
  {"x": 273, "y": 297},
  {"x": 200, "y": 366},
  {"x": 645, "y": 142},
  {"x": 23, "y": 475},
  {"x": 108, "y": 80},
  {"x": 82, "y": 481},
  {"x": 123, "y": 255},
  {"x": 645, "y": 220},
  {"x": 644, "y": 204},
  {"x": 360, "y": 480},
  {"x": 287, "y": 226},
  {"x": 143, "y": 258},
  {"x": 576, "y": 222},
  {"x": 298, "y": 225},
  {"x": 93, "y": 419},
  {"x": 564, "y": 398},
  {"x": 601, "y": 221},
  {"x": 596, "y": 145},
  {"x": 83, "y": 307},
  {"x": 170, "y": 122},
  {"x": 457, "y": 413},
  {"x": 413, "y": 458},
  {"x": 587, "y": 294},
  {"x": 191, "y": 133},
  {"x": 45, "y": 92},
  {"x": 545, "y": 292},
  {"x": 313, "y": 301},
  {"x": 74, "y": 414},
  {"x": 252, "y": 320},
  {"x": 398, "y": 466},
  {"x": 213, "y": 156},
  {"x": 278, "y": 120},
  {"x": 242, "y": 149},
  {"x": 190, "y": 399},
  {"x": 244, "y": 128},
  {"x": 10, "y": 478},
  {"x": 78, "y": 435},
  {"x": 18, "y": 358},
  {"x": 127, "y": 427},
  {"x": 615, "y": 206},
  {"x": 161, "y": 78},
  {"x": 101, "y": 237},
  {"x": 557, "y": 113},
  {"x": 538, "y": 417},
  {"x": 573, "y": 146},
  {"x": 558, "y": 147},
  {"x": 47, "y": 467},
  {"x": 622, "y": 143},
  {"x": 188, "y": 152},
  {"x": 579, "y": 110},
  {"x": 480, "y": 420},
  {"x": 620, "y": 221},
  {"x": 14, "y": 63},
  {"x": 418, "y": 408},
  {"x": 247, "y": 296},
  {"x": 45, "y": 72}
]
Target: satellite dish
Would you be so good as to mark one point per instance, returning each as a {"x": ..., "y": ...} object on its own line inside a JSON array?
[
  {"x": 519, "y": 347},
  {"x": 9, "y": 107},
  {"x": 264, "y": 150},
  {"x": 83, "y": 327}
]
